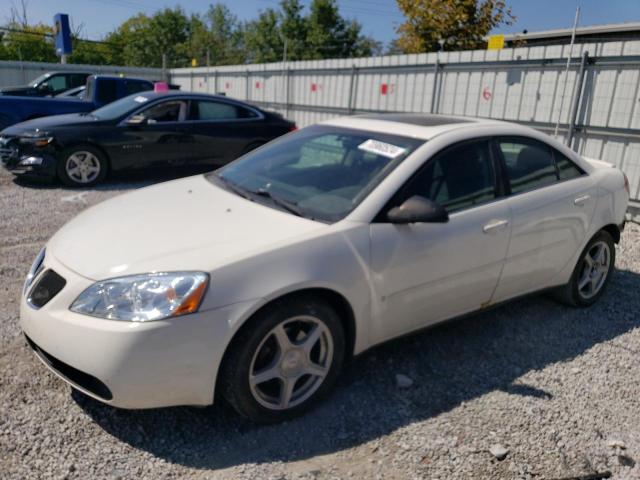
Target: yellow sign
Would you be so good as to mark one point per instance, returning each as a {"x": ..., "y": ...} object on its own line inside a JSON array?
[
  {"x": 194, "y": 62},
  {"x": 496, "y": 42}
]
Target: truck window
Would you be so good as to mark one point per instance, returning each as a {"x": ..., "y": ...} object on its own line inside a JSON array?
[{"x": 106, "y": 91}]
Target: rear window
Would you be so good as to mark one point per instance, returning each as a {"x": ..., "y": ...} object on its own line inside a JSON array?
[{"x": 106, "y": 90}]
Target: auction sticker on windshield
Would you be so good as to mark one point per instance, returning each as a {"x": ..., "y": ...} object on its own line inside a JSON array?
[{"x": 382, "y": 148}]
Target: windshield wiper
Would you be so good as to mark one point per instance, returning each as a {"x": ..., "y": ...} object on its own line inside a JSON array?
[
  {"x": 281, "y": 202},
  {"x": 234, "y": 188}
]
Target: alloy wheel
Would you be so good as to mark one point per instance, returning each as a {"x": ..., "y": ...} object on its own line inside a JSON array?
[
  {"x": 82, "y": 167},
  {"x": 595, "y": 268},
  {"x": 291, "y": 362}
]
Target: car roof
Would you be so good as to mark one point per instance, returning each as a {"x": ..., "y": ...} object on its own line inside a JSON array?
[
  {"x": 424, "y": 126},
  {"x": 151, "y": 95}
]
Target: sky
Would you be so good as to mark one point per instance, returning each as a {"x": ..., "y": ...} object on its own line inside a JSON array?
[{"x": 379, "y": 18}]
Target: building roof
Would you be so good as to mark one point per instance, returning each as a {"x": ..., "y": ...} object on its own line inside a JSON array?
[{"x": 592, "y": 31}]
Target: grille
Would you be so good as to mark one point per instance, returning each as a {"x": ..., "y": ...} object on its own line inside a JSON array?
[
  {"x": 8, "y": 151},
  {"x": 47, "y": 287}
]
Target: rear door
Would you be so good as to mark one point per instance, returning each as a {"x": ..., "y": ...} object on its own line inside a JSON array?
[
  {"x": 222, "y": 131},
  {"x": 552, "y": 201},
  {"x": 427, "y": 272}
]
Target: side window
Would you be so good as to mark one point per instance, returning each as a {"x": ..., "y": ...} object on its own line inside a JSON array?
[
  {"x": 204, "y": 110},
  {"x": 460, "y": 177},
  {"x": 529, "y": 163},
  {"x": 57, "y": 83},
  {"x": 173, "y": 111},
  {"x": 566, "y": 168},
  {"x": 77, "y": 80}
]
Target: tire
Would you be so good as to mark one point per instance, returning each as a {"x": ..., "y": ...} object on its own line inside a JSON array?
[
  {"x": 309, "y": 325},
  {"x": 586, "y": 284},
  {"x": 90, "y": 166}
]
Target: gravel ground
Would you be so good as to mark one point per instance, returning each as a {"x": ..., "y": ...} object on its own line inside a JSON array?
[{"x": 553, "y": 390}]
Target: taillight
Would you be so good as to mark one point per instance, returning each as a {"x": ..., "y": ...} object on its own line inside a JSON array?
[
  {"x": 293, "y": 128},
  {"x": 626, "y": 184}
]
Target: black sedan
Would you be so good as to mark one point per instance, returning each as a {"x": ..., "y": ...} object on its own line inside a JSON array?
[{"x": 138, "y": 131}]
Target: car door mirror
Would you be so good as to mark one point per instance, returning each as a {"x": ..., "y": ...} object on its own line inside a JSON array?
[
  {"x": 418, "y": 209},
  {"x": 135, "y": 120}
]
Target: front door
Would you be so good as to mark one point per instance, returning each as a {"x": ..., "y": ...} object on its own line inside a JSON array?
[
  {"x": 158, "y": 138},
  {"x": 425, "y": 273}
]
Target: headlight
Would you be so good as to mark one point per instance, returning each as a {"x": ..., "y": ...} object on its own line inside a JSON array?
[
  {"x": 36, "y": 141},
  {"x": 143, "y": 298},
  {"x": 35, "y": 269}
]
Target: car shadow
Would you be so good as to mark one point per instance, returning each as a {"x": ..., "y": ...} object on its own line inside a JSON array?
[
  {"x": 123, "y": 180},
  {"x": 452, "y": 363}
]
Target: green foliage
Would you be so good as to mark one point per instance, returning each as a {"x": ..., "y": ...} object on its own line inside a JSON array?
[
  {"x": 28, "y": 43},
  {"x": 460, "y": 24},
  {"x": 217, "y": 34}
]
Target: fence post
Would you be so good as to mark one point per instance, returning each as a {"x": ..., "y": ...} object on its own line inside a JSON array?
[
  {"x": 576, "y": 98},
  {"x": 165, "y": 77},
  {"x": 353, "y": 90},
  {"x": 287, "y": 92},
  {"x": 208, "y": 78},
  {"x": 215, "y": 82},
  {"x": 435, "y": 93},
  {"x": 246, "y": 86}
]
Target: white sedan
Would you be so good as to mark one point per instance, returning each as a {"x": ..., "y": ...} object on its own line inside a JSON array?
[{"x": 257, "y": 282}]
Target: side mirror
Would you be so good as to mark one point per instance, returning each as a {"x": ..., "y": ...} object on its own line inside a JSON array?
[
  {"x": 418, "y": 209},
  {"x": 136, "y": 120}
]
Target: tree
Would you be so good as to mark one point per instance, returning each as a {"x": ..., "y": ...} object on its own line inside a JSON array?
[
  {"x": 461, "y": 24},
  {"x": 145, "y": 39},
  {"x": 220, "y": 33},
  {"x": 262, "y": 38}
]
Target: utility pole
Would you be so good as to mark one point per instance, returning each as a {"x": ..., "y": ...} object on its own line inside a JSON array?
[
  {"x": 566, "y": 73},
  {"x": 284, "y": 69}
]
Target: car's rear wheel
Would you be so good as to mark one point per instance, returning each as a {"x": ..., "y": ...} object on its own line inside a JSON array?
[
  {"x": 285, "y": 359},
  {"x": 592, "y": 273},
  {"x": 81, "y": 166}
]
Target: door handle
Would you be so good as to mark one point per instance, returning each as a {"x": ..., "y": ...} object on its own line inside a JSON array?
[
  {"x": 581, "y": 200},
  {"x": 495, "y": 225}
]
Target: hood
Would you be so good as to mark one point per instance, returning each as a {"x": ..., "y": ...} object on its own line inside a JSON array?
[
  {"x": 18, "y": 91},
  {"x": 187, "y": 224},
  {"x": 47, "y": 123}
]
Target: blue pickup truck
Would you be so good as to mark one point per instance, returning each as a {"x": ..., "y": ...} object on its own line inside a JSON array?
[{"x": 100, "y": 90}]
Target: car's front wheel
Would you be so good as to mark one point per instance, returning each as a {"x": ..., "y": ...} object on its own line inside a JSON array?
[
  {"x": 286, "y": 358},
  {"x": 592, "y": 273},
  {"x": 81, "y": 166}
]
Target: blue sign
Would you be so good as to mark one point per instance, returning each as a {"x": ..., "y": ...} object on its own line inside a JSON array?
[{"x": 62, "y": 34}]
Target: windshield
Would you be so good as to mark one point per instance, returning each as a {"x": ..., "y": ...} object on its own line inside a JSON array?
[
  {"x": 39, "y": 80},
  {"x": 320, "y": 172},
  {"x": 121, "y": 107}
]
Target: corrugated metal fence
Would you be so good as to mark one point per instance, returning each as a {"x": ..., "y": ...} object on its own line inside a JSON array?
[
  {"x": 599, "y": 110},
  {"x": 20, "y": 73}
]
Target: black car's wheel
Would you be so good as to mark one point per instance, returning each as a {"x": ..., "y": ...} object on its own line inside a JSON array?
[
  {"x": 592, "y": 273},
  {"x": 285, "y": 359},
  {"x": 81, "y": 166}
]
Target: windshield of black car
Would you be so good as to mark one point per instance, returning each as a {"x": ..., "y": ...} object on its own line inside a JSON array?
[
  {"x": 121, "y": 107},
  {"x": 39, "y": 80},
  {"x": 324, "y": 171}
]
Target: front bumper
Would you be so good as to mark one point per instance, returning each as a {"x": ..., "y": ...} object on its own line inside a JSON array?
[
  {"x": 13, "y": 156},
  {"x": 129, "y": 364}
]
